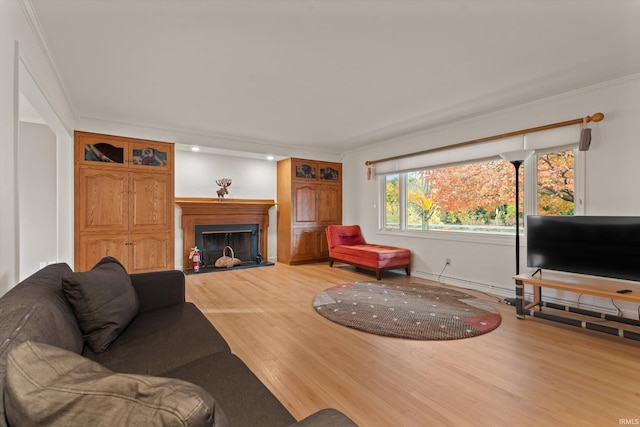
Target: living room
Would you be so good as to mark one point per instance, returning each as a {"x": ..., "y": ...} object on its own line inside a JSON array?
[
  {"x": 39, "y": 113},
  {"x": 481, "y": 263}
]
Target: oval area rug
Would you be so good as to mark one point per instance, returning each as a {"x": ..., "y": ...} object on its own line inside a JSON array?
[{"x": 410, "y": 310}]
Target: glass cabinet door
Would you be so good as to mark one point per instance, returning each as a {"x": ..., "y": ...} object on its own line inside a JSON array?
[
  {"x": 97, "y": 150},
  {"x": 304, "y": 169},
  {"x": 330, "y": 172},
  {"x": 149, "y": 155}
]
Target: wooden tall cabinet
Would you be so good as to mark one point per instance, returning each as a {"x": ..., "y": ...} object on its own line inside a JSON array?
[
  {"x": 309, "y": 199},
  {"x": 124, "y": 202}
]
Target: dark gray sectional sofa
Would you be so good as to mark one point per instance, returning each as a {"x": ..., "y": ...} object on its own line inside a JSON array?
[{"x": 154, "y": 357}]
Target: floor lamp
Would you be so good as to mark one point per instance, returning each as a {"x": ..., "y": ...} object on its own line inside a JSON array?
[{"x": 516, "y": 158}]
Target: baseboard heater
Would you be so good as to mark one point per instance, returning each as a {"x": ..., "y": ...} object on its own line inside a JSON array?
[{"x": 585, "y": 324}]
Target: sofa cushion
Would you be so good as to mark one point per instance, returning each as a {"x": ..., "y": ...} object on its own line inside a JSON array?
[
  {"x": 245, "y": 399},
  {"x": 42, "y": 291},
  {"x": 159, "y": 340},
  {"x": 103, "y": 300},
  {"x": 50, "y": 386},
  {"x": 24, "y": 324}
]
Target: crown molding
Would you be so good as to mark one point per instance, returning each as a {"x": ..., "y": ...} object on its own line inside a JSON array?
[
  {"x": 232, "y": 143},
  {"x": 416, "y": 127},
  {"x": 38, "y": 32}
]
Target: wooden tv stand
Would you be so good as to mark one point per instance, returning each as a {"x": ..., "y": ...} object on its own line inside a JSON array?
[{"x": 589, "y": 285}]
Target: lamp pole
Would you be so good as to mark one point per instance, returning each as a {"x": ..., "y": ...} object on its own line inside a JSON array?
[
  {"x": 517, "y": 158},
  {"x": 516, "y": 164}
]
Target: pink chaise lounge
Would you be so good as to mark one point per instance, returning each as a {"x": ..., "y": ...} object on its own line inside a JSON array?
[{"x": 346, "y": 244}]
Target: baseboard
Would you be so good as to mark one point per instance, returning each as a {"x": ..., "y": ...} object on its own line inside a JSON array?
[
  {"x": 509, "y": 293},
  {"x": 499, "y": 291}
]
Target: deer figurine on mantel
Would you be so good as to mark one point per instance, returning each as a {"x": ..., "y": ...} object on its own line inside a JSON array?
[{"x": 223, "y": 183}]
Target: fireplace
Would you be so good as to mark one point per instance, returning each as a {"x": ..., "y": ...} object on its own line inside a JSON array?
[
  {"x": 224, "y": 223},
  {"x": 212, "y": 239}
]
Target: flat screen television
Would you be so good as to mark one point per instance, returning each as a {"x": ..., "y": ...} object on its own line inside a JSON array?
[{"x": 607, "y": 246}]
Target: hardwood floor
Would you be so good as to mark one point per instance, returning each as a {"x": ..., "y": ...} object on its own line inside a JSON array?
[{"x": 525, "y": 373}]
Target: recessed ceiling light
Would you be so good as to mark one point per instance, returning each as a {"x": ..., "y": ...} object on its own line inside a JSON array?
[
  {"x": 270, "y": 157},
  {"x": 195, "y": 148}
]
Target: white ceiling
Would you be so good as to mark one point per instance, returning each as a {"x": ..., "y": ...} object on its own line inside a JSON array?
[{"x": 330, "y": 75}]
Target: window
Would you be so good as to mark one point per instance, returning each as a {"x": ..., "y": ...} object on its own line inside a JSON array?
[
  {"x": 556, "y": 189},
  {"x": 478, "y": 196},
  {"x": 392, "y": 202}
]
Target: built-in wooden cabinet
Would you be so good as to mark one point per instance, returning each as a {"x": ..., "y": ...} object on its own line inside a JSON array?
[
  {"x": 124, "y": 202},
  {"x": 309, "y": 199}
]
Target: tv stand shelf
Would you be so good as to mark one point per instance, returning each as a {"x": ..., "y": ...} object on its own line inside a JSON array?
[{"x": 589, "y": 285}]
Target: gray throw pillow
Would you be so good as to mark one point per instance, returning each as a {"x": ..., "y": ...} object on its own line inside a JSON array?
[
  {"x": 46, "y": 385},
  {"x": 103, "y": 300}
]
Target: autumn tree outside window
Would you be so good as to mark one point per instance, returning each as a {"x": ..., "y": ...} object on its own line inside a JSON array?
[
  {"x": 478, "y": 196},
  {"x": 392, "y": 202}
]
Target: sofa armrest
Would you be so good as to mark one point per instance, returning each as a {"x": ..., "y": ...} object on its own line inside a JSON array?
[
  {"x": 326, "y": 418},
  {"x": 158, "y": 289}
]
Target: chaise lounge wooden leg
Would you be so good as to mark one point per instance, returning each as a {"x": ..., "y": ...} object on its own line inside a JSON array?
[
  {"x": 378, "y": 274},
  {"x": 408, "y": 270},
  {"x": 330, "y": 263}
]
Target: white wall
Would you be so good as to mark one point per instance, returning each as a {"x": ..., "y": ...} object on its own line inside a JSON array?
[
  {"x": 25, "y": 66},
  {"x": 196, "y": 174},
  {"x": 612, "y": 177},
  {"x": 37, "y": 194}
]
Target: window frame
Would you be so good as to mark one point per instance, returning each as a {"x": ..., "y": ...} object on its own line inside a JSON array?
[{"x": 530, "y": 200}]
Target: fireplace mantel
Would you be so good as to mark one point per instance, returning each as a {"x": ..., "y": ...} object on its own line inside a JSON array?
[{"x": 206, "y": 211}]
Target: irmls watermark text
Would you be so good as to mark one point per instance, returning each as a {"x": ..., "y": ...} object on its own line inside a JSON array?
[{"x": 629, "y": 421}]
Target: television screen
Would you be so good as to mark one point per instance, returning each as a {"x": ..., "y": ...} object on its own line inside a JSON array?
[{"x": 607, "y": 246}]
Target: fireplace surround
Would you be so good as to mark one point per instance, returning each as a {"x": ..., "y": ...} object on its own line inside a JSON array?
[{"x": 213, "y": 216}]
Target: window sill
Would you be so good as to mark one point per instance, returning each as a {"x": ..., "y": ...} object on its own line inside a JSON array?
[{"x": 453, "y": 236}]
